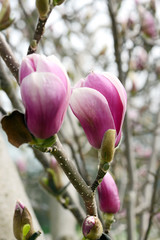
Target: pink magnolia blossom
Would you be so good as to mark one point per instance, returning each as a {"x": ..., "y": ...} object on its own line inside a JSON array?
[
  {"x": 139, "y": 59},
  {"x": 45, "y": 91},
  {"x": 148, "y": 24},
  {"x": 99, "y": 102},
  {"x": 109, "y": 201}
]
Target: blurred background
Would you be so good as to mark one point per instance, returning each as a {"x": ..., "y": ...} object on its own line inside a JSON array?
[{"x": 121, "y": 37}]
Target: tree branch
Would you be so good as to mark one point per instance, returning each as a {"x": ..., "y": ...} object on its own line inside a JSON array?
[
  {"x": 131, "y": 215},
  {"x": 75, "y": 178},
  {"x": 8, "y": 57},
  {"x": 38, "y": 33},
  {"x": 116, "y": 40},
  {"x": 8, "y": 88},
  {"x": 152, "y": 203}
]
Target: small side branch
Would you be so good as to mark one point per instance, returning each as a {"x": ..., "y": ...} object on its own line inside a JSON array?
[
  {"x": 7, "y": 86},
  {"x": 75, "y": 178},
  {"x": 8, "y": 57},
  {"x": 100, "y": 175},
  {"x": 129, "y": 156},
  {"x": 116, "y": 40},
  {"x": 131, "y": 183},
  {"x": 76, "y": 211},
  {"x": 38, "y": 33},
  {"x": 152, "y": 203}
]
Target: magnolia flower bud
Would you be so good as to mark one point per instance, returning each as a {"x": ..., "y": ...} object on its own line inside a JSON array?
[
  {"x": 92, "y": 228},
  {"x": 45, "y": 91},
  {"x": 139, "y": 59},
  {"x": 148, "y": 24},
  {"x": 56, "y": 173},
  {"x": 99, "y": 103},
  {"x": 109, "y": 201},
  {"x": 22, "y": 217}
]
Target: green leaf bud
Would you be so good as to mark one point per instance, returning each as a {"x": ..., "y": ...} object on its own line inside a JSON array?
[
  {"x": 107, "y": 146},
  {"x": 43, "y": 8}
]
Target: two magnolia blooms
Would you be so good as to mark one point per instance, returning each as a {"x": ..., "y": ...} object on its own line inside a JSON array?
[{"x": 98, "y": 101}]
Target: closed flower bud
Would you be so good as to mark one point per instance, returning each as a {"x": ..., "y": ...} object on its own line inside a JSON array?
[
  {"x": 21, "y": 218},
  {"x": 99, "y": 102},
  {"x": 92, "y": 228},
  {"x": 45, "y": 91},
  {"x": 139, "y": 59},
  {"x": 109, "y": 201},
  {"x": 148, "y": 24},
  {"x": 43, "y": 8},
  {"x": 56, "y": 173}
]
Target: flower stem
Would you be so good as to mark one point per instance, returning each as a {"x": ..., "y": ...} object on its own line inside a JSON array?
[{"x": 98, "y": 179}]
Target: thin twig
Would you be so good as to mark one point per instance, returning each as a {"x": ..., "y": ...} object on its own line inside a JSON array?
[
  {"x": 38, "y": 33},
  {"x": 27, "y": 16},
  {"x": 7, "y": 86},
  {"x": 3, "y": 112},
  {"x": 100, "y": 175},
  {"x": 78, "y": 213},
  {"x": 152, "y": 165},
  {"x": 152, "y": 203},
  {"x": 8, "y": 57},
  {"x": 131, "y": 183},
  {"x": 130, "y": 161},
  {"x": 75, "y": 178},
  {"x": 116, "y": 40},
  {"x": 41, "y": 158}
]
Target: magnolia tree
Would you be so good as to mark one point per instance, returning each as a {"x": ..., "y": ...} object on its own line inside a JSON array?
[{"x": 55, "y": 87}]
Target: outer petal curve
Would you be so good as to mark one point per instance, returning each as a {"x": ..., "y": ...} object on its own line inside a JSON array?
[
  {"x": 122, "y": 93},
  {"x": 92, "y": 110},
  {"x": 28, "y": 66},
  {"x": 112, "y": 89},
  {"x": 41, "y": 63}
]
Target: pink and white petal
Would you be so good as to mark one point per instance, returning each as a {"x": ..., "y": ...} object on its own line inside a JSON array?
[
  {"x": 118, "y": 85},
  {"x": 92, "y": 110},
  {"x": 53, "y": 65},
  {"x": 80, "y": 83},
  {"x": 28, "y": 66},
  {"x": 123, "y": 95},
  {"x": 102, "y": 84},
  {"x": 44, "y": 97}
]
